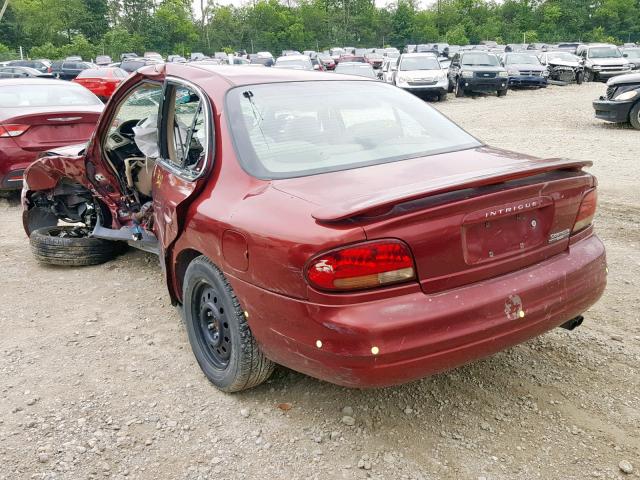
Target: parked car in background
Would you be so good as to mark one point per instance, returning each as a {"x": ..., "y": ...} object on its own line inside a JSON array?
[
  {"x": 130, "y": 65},
  {"x": 262, "y": 58},
  {"x": 22, "y": 72},
  {"x": 335, "y": 53},
  {"x": 294, "y": 62},
  {"x": 389, "y": 67},
  {"x": 570, "y": 47},
  {"x": 288, "y": 53},
  {"x": 621, "y": 103},
  {"x": 516, "y": 47},
  {"x": 153, "y": 56},
  {"x": 409, "y": 247},
  {"x": 101, "y": 81},
  {"x": 356, "y": 68},
  {"x": 43, "y": 66},
  {"x": 37, "y": 115},
  {"x": 421, "y": 74},
  {"x": 328, "y": 62},
  {"x": 374, "y": 59},
  {"x": 103, "y": 60},
  {"x": 74, "y": 58},
  {"x": 602, "y": 61},
  {"x": 477, "y": 71},
  {"x": 195, "y": 56},
  {"x": 391, "y": 52},
  {"x": 176, "y": 59},
  {"x": 633, "y": 56},
  {"x": 69, "y": 69},
  {"x": 317, "y": 64},
  {"x": 563, "y": 66},
  {"x": 348, "y": 57},
  {"x": 128, "y": 55},
  {"x": 524, "y": 70}
]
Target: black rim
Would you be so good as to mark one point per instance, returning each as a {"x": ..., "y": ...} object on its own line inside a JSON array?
[{"x": 211, "y": 325}]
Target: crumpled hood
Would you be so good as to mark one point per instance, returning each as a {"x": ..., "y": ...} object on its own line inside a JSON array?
[{"x": 563, "y": 63}]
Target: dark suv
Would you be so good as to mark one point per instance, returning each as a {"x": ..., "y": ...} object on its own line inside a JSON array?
[
  {"x": 477, "y": 71},
  {"x": 68, "y": 70}
]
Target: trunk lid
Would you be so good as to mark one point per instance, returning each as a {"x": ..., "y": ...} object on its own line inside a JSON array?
[
  {"x": 51, "y": 129},
  {"x": 466, "y": 216}
]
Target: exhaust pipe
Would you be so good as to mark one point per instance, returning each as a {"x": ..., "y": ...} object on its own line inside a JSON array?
[{"x": 573, "y": 323}]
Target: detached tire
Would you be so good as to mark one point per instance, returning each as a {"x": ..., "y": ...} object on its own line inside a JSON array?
[
  {"x": 70, "y": 246},
  {"x": 218, "y": 331}
]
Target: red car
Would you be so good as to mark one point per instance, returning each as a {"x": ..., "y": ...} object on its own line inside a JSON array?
[
  {"x": 101, "y": 81},
  {"x": 351, "y": 58},
  {"x": 37, "y": 115},
  {"x": 362, "y": 245}
]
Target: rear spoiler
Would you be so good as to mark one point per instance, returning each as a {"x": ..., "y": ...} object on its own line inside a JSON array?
[{"x": 414, "y": 191}]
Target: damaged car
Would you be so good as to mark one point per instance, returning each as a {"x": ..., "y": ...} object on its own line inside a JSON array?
[
  {"x": 621, "y": 103},
  {"x": 363, "y": 243},
  {"x": 563, "y": 66}
]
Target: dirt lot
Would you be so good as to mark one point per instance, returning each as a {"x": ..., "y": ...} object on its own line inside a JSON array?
[{"x": 97, "y": 378}]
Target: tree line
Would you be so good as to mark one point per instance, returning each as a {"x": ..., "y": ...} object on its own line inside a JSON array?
[{"x": 55, "y": 28}]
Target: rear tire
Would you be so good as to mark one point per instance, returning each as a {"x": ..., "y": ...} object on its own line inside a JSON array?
[
  {"x": 580, "y": 78},
  {"x": 458, "y": 90},
  {"x": 449, "y": 86},
  {"x": 70, "y": 246},
  {"x": 442, "y": 97},
  {"x": 218, "y": 331},
  {"x": 502, "y": 93},
  {"x": 634, "y": 116}
]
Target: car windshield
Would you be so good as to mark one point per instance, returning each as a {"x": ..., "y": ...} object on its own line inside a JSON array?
[
  {"x": 562, "y": 56},
  {"x": 480, "y": 59},
  {"x": 294, "y": 129},
  {"x": 39, "y": 95},
  {"x": 522, "y": 59},
  {"x": 633, "y": 53},
  {"x": 419, "y": 63},
  {"x": 363, "y": 70},
  {"x": 604, "y": 52}
]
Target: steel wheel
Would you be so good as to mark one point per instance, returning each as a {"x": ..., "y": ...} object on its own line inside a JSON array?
[{"x": 213, "y": 331}]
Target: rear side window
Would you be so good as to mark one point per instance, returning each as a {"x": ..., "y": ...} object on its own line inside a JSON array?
[
  {"x": 285, "y": 130},
  {"x": 41, "y": 95},
  {"x": 184, "y": 139}
]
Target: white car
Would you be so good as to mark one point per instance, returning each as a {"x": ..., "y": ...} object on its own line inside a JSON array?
[
  {"x": 389, "y": 66},
  {"x": 294, "y": 62},
  {"x": 421, "y": 74}
]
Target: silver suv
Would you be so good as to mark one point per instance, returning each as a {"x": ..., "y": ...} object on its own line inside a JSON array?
[{"x": 602, "y": 61}]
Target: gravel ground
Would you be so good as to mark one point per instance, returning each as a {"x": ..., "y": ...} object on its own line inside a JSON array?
[{"x": 97, "y": 379}]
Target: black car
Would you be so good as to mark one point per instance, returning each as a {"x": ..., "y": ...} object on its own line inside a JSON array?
[
  {"x": 22, "y": 72},
  {"x": 40, "y": 65},
  {"x": 477, "y": 71},
  {"x": 68, "y": 70},
  {"x": 132, "y": 64},
  {"x": 621, "y": 103}
]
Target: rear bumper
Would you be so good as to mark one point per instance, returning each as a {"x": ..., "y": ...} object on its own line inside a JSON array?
[
  {"x": 418, "y": 335},
  {"x": 13, "y": 162},
  {"x": 527, "y": 81},
  {"x": 612, "y": 111}
]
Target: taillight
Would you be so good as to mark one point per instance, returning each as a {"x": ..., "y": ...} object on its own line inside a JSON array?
[
  {"x": 12, "y": 130},
  {"x": 587, "y": 211},
  {"x": 365, "y": 265}
]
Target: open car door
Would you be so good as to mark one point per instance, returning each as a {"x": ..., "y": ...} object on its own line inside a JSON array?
[{"x": 186, "y": 149}]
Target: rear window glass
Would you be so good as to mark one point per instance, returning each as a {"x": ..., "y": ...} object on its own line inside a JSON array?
[
  {"x": 39, "y": 95},
  {"x": 95, "y": 73},
  {"x": 285, "y": 130}
]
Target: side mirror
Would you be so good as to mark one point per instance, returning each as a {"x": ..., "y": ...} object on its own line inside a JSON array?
[{"x": 625, "y": 55}]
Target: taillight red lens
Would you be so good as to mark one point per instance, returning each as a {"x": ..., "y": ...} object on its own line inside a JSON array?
[
  {"x": 12, "y": 130},
  {"x": 366, "y": 265},
  {"x": 587, "y": 211}
]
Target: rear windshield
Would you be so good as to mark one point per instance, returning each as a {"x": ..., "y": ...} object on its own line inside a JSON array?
[
  {"x": 39, "y": 95},
  {"x": 285, "y": 130},
  {"x": 363, "y": 70}
]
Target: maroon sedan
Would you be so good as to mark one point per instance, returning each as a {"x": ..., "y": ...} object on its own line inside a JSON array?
[
  {"x": 366, "y": 245},
  {"x": 37, "y": 115}
]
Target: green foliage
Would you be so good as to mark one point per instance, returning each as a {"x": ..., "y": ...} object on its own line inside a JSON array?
[
  {"x": 56, "y": 28},
  {"x": 5, "y": 53}
]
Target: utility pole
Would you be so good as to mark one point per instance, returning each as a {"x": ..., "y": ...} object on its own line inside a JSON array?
[{"x": 4, "y": 7}]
